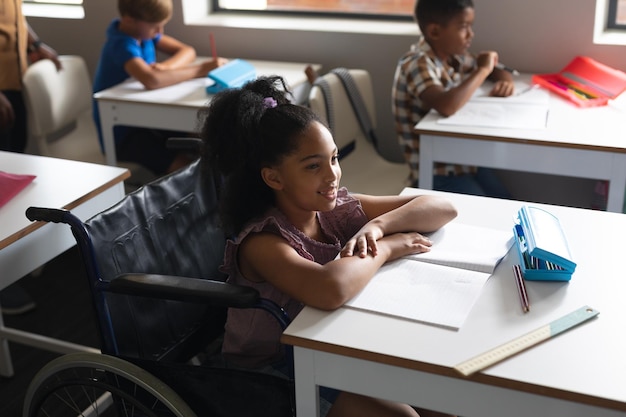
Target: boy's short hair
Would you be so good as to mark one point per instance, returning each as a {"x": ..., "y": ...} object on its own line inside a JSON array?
[
  {"x": 151, "y": 11},
  {"x": 438, "y": 11}
]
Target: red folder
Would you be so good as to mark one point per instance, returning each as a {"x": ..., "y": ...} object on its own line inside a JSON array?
[
  {"x": 585, "y": 82},
  {"x": 12, "y": 184}
]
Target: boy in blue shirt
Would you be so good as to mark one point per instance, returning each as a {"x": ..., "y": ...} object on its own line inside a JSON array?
[
  {"x": 133, "y": 41},
  {"x": 439, "y": 73}
]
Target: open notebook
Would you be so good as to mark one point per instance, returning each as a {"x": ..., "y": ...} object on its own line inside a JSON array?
[
  {"x": 528, "y": 109},
  {"x": 441, "y": 286}
]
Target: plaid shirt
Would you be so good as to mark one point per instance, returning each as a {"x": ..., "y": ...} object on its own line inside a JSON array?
[{"x": 417, "y": 70}]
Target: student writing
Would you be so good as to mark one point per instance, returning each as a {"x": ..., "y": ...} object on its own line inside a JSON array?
[
  {"x": 133, "y": 40},
  {"x": 282, "y": 202},
  {"x": 439, "y": 73}
]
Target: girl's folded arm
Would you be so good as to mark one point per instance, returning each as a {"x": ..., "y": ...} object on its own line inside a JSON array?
[
  {"x": 267, "y": 257},
  {"x": 423, "y": 213}
]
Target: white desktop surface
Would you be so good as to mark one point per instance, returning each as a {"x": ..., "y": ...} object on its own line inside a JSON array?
[
  {"x": 83, "y": 188},
  {"x": 174, "y": 107},
  {"x": 581, "y": 372},
  {"x": 578, "y": 142}
]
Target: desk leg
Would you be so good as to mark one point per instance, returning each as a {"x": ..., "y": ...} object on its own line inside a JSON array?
[
  {"x": 307, "y": 391},
  {"x": 426, "y": 162},
  {"x": 617, "y": 185},
  {"x": 107, "y": 121},
  {"x": 6, "y": 365}
]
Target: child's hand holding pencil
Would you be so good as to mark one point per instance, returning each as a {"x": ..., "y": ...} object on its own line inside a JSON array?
[{"x": 215, "y": 59}]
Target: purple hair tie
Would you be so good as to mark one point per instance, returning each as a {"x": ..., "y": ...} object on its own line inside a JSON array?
[{"x": 269, "y": 102}]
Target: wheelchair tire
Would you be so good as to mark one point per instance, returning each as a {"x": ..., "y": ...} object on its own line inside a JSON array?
[{"x": 91, "y": 384}]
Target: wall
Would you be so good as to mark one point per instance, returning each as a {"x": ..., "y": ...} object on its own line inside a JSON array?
[{"x": 530, "y": 35}]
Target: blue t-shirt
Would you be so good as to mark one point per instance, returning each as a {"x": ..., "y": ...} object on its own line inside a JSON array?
[{"x": 117, "y": 50}]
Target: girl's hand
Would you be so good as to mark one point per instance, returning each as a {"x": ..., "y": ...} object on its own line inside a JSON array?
[
  {"x": 363, "y": 241},
  {"x": 402, "y": 244}
]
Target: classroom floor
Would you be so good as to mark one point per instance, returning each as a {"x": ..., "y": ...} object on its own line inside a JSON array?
[
  {"x": 63, "y": 311},
  {"x": 80, "y": 143}
]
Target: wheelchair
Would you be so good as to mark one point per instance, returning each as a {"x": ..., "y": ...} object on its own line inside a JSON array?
[{"x": 160, "y": 303}]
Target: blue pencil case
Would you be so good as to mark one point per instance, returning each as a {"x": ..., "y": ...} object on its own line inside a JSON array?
[
  {"x": 234, "y": 74},
  {"x": 542, "y": 247}
]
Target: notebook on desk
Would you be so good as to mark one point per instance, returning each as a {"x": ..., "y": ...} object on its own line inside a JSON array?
[
  {"x": 441, "y": 286},
  {"x": 12, "y": 184},
  {"x": 526, "y": 110}
]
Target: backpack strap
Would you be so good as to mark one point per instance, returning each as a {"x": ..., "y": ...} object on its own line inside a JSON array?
[
  {"x": 328, "y": 102},
  {"x": 358, "y": 104},
  {"x": 354, "y": 95}
]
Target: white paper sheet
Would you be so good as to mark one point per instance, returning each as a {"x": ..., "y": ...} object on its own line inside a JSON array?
[
  {"x": 467, "y": 247},
  {"x": 417, "y": 289},
  {"x": 194, "y": 89},
  {"x": 527, "y": 109},
  {"x": 423, "y": 292}
]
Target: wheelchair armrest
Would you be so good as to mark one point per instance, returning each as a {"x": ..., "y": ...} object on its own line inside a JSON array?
[{"x": 185, "y": 289}]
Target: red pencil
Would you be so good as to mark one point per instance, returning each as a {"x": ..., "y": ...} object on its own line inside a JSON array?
[{"x": 213, "y": 50}]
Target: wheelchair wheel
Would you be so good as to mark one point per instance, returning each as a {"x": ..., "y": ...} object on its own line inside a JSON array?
[{"x": 88, "y": 384}]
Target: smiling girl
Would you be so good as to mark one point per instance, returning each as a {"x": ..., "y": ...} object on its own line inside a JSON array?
[{"x": 282, "y": 202}]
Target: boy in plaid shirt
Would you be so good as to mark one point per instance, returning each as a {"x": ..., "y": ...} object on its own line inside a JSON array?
[{"x": 439, "y": 73}]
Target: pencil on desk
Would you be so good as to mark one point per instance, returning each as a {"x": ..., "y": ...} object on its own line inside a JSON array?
[
  {"x": 503, "y": 67},
  {"x": 521, "y": 288},
  {"x": 213, "y": 49}
]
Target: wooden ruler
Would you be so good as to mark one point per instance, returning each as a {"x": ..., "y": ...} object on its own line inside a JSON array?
[{"x": 526, "y": 341}]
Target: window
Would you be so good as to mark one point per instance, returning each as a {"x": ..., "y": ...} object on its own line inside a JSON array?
[
  {"x": 69, "y": 9},
  {"x": 54, "y": 1},
  {"x": 610, "y": 22},
  {"x": 617, "y": 14},
  {"x": 402, "y": 9}
]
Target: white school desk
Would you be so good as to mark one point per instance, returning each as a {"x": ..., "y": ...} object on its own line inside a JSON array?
[
  {"x": 175, "y": 107},
  {"x": 581, "y": 372},
  {"x": 84, "y": 188},
  {"x": 577, "y": 142}
]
